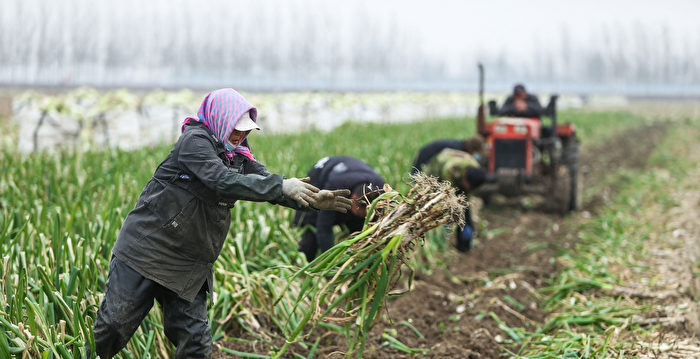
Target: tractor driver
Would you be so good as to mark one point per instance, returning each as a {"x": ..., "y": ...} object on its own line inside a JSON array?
[
  {"x": 463, "y": 171},
  {"x": 521, "y": 104}
]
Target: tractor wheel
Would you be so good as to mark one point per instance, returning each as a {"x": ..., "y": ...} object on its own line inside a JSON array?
[
  {"x": 560, "y": 198},
  {"x": 576, "y": 188},
  {"x": 571, "y": 151}
]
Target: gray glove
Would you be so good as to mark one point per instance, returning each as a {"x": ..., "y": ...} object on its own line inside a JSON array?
[
  {"x": 299, "y": 190},
  {"x": 333, "y": 200}
]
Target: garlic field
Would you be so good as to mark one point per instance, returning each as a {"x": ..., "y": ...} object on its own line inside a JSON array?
[{"x": 64, "y": 193}]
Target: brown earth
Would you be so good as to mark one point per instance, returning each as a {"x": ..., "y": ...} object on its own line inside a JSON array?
[
  {"x": 513, "y": 257},
  {"x": 666, "y": 279}
]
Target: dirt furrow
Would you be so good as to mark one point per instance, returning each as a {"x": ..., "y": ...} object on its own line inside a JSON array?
[
  {"x": 512, "y": 260},
  {"x": 443, "y": 307}
]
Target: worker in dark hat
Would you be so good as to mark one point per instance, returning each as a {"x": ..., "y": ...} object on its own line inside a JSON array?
[
  {"x": 521, "y": 104},
  {"x": 335, "y": 173}
]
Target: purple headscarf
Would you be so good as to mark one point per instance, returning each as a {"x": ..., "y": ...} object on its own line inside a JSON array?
[{"x": 220, "y": 111}]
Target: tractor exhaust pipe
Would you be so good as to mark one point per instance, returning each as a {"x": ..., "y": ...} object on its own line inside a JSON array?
[{"x": 481, "y": 113}]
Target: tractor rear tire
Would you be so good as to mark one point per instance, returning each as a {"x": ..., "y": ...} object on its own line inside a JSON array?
[
  {"x": 561, "y": 196},
  {"x": 576, "y": 188},
  {"x": 572, "y": 150}
]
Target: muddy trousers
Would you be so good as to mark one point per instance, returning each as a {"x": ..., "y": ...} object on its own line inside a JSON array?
[
  {"x": 308, "y": 245},
  {"x": 465, "y": 234},
  {"x": 128, "y": 299}
]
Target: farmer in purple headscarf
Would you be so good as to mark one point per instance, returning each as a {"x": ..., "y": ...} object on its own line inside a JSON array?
[{"x": 168, "y": 243}]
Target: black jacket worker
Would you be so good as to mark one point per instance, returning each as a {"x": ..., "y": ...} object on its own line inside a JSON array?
[
  {"x": 425, "y": 161},
  {"x": 333, "y": 173},
  {"x": 168, "y": 243},
  {"x": 473, "y": 145}
]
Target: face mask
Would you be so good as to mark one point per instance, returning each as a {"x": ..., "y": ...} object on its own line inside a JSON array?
[{"x": 229, "y": 146}]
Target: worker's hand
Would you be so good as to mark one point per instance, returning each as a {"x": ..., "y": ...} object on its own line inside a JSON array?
[
  {"x": 333, "y": 200},
  {"x": 299, "y": 190}
]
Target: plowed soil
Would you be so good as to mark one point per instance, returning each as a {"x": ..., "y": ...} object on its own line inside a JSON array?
[{"x": 512, "y": 260}]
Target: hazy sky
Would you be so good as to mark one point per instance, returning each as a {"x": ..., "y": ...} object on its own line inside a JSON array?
[
  {"x": 476, "y": 26},
  {"x": 350, "y": 40}
]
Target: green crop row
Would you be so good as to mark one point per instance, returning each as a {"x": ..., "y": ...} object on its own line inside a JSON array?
[
  {"x": 590, "y": 317},
  {"x": 60, "y": 214}
]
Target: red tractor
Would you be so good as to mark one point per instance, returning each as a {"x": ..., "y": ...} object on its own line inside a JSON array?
[{"x": 526, "y": 157}]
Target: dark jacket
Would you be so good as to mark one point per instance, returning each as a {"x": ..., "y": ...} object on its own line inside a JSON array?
[
  {"x": 427, "y": 152},
  {"x": 336, "y": 172},
  {"x": 534, "y": 109},
  {"x": 179, "y": 224}
]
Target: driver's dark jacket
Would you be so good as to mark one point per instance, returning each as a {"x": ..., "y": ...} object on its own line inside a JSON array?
[
  {"x": 178, "y": 226},
  {"x": 534, "y": 109}
]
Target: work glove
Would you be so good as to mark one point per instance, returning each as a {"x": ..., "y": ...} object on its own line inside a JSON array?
[
  {"x": 299, "y": 190},
  {"x": 333, "y": 200}
]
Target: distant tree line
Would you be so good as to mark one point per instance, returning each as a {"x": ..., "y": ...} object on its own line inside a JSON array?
[
  {"x": 645, "y": 55},
  {"x": 303, "y": 44}
]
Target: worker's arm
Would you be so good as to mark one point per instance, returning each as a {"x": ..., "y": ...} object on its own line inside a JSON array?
[
  {"x": 427, "y": 152},
  {"x": 260, "y": 169},
  {"x": 424, "y": 155},
  {"x": 198, "y": 156}
]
